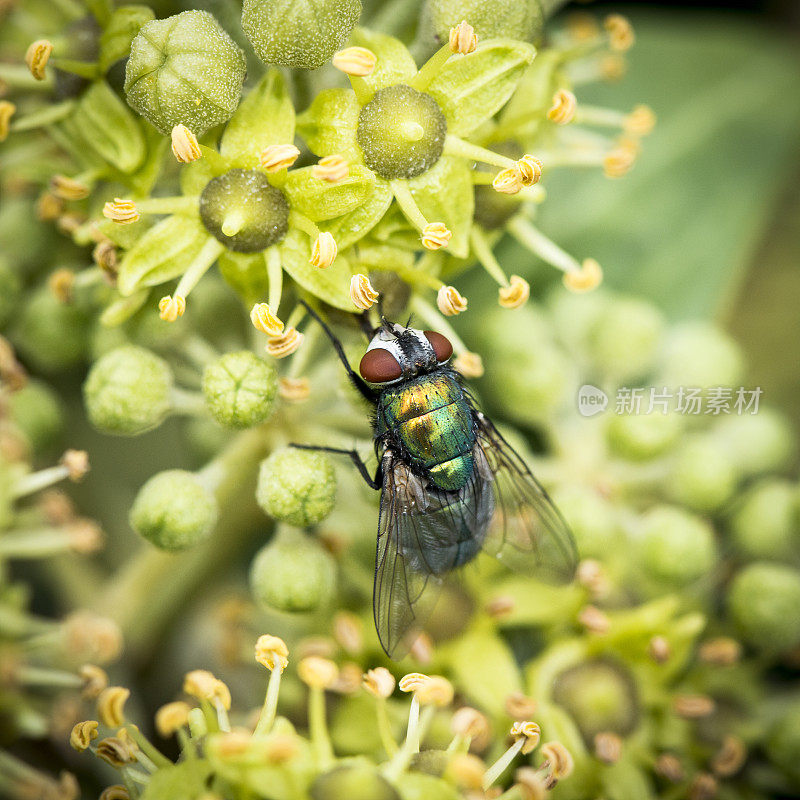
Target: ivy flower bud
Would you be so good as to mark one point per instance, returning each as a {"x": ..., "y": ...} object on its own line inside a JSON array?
[
  {"x": 378, "y": 682},
  {"x": 239, "y": 389},
  {"x": 559, "y": 759},
  {"x": 172, "y": 717},
  {"x": 515, "y": 19},
  {"x": 323, "y": 251},
  {"x": 265, "y": 321},
  {"x": 507, "y": 181},
  {"x": 170, "y": 308},
  {"x": 764, "y": 523},
  {"x": 82, "y": 735},
  {"x": 7, "y": 109},
  {"x": 590, "y": 277},
  {"x": 317, "y": 672},
  {"x": 529, "y": 169},
  {"x": 529, "y": 731},
  {"x": 470, "y": 365},
  {"x": 620, "y": 32},
  {"x": 296, "y": 486},
  {"x": 306, "y": 37},
  {"x": 111, "y": 706},
  {"x": 121, "y": 211},
  {"x": 463, "y": 38},
  {"x": 276, "y": 157},
  {"x": 435, "y": 235},
  {"x": 355, "y": 61},
  {"x": 450, "y": 301},
  {"x": 285, "y": 344},
  {"x": 68, "y": 188},
  {"x": 170, "y": 58},
  {"x": 362, "y": 292},
  {"x": 562, "y": 111},
  {"x": 203, "y": 685},
  {"x": 185, "y": 146},
  {"x": 127, "y": 391},
  {"x": 37, "y": 56},
  {"x": 515, "y": 294},
  {"x": 332, "y": 168},
  {"x": 294, "y": 389},
  {"x": 272, "y": 652},
  {"x": 174, "y": 511}
]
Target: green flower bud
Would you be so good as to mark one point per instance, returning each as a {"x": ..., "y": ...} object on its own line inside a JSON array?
[
  {"x": 116, "y": 39},
  {"x": 357, "y": 782},
  {"x": 600, "y": 695},
  {"x": 240, "y": 389},
  {"x": 298, "y": 33},
  {"x": 293, "y": 573},
  {"x": 184, "y": 70},
  {"x": 296, "y": 486},
  {"x": 514, "y": 19},
  {"x": 36, "y": 411},
  {"x": 702, "y": 476},
  {"x": 174, "y": 511},
  {"x": 763, "y": 600},
  {"x": 401, "y": 132},
  {"x": 127, "y": 391},
  {"x": 757, "y": 443},
  {"x": 624, "y": 338},
  {"x": 639, "y": 437},
  {"x": 592, "y": 518},
  {"x": 676, "y": 548},
  {"x": 244, "y": 210},
  {"x": 783, "y": 741},
  {"x": 10, "y": 287},
  {"x": 764, "y": 525},
  {"x": 52, "y": 335},
  {"x": 699, "y": 354}
]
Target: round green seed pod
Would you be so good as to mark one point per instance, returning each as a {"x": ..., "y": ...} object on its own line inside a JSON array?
[
  {"x": 127, "y": 391},
  {"x": 514, "y": 19},
  {"x": 765, "y": 524},
  {"x": 763, "y": 601},
  {"x": 356, "y": 782},
  {"x": 592, "y": 518},
  {"x": 702, "y": 475},
  {"x": 757, "y": 443},
  {"x": 699, "y": 354},
  {"x": 244, "y": 211},
  {"x": 640, "y": 437},
  {"x": 184, "y": 70},
  {"x": 298, "y": 34},
  {"x": 676, "y": 548},
  {"x": 296, "y": 486},
  {"x": 783, "y": 742},
  {"x": 600, "y": 695},
  {"x": 36, "y": 411},
  {"x": 401, "y": 132},
  {"x": 174, "y": 511},
  {"x": 240, "y": 389},
  {"x": 293, "y": 573}
]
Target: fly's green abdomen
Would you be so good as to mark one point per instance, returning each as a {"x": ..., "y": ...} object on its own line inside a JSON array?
[{"x": 433, "y": 421}]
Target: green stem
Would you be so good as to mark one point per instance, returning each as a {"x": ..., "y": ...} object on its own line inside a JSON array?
[
  {"x": 43, "y": 116},
  {"x": 402, "y": 759},
  {"x": 208, "y": 254},
  {"x": 148, "y": 748},
  {"x": 272, "y": 257},
  {"x": 18, "y": 76},
  {"x": 431, "y": 68},
  {"x": 407, "y": 203},
  {"x": 485, "y": 255},
  {"x": 39, "y": 543},
  {"x": 185, "y": 402},
  {"x": 267, "y": 717},
  {"x": 385, "y": 728},
  {"x": 535, "y": 241},
  {"x": 83, "y": 69},
  {"x": 453, "y": 146},
  {"x": 28, "y": 675},
  {"x": 36, "y": 481},
  {"x": 318, "y": 728}
]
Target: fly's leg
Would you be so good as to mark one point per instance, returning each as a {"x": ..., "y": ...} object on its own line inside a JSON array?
[
  {"x": 373, "y": 483},
  {"x": 355, "y": 378}
]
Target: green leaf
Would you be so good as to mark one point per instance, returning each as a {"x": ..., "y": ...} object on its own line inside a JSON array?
[
  {"x": 472, "y": 88},
  {"x": 332, "y": 285},
  {"x": 328, "y": 125},
  {"x": 395, "y": 64},
  {"x": 162, "y": 254},
  {"x": 445, "y": 194},
  {"x": 115, "y": 40},
  {"x": 184, "y": 781},
  {"x": 319, "y": 199},
  {"x": 265, "y": 116},
  {"x": 351, "y": 227},
  {"x": 107, "y": 125},
  {"x": 246, "y": 274}
]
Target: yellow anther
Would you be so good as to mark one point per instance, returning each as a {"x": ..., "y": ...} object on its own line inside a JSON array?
[
  {"x": 470, "y": 365},
  {"x": 722, "y": 651},
  {"x": 323, "y": 251},
  {"x": 294, "y": 389},
  {"x": 94, "y": 680},
  {"x": 85, "y": 536},
  {"x": 48, "y": 206},
  {"x": 435, "y": 235},
  {"x": 265, "y": 321},
  {"x": 607, "y": 747},
  {"x": 450, "y": 301},
  {"x": 620, "y": 32},
  {"x": 590, "y": 277},
  {"x": 519, "y": 706},
  {"x": 529, "y": 732},
  {"x": 594, "y": 620},
  {"x": 515, "y": 294},
  {"x": 116, "y": 792},
  {"x": 202, "y": 684},
  {"x": 412, "y": 681},
  {"x": 285, "y": 344},
  {"x": 620, "y": 160},
  {"x": 529, "y": 170},
  {"x": 507, "y": 181},
  {"x": 470, "y": 723},
  {"x": 563, "y": 108},
  {"x": 467, "y": 771},
  {"x": 463, "y": 38},
  {"x": 355, "y": 61},
  {"x": 122, "y": 211},
  {"x": 87, "y": 635},
  {"x": 501, "y": 606},
  {"x": 76, "y": 463},
  {"x": 61, "y": 283},
  {"x": 349, "y": 633},
  {"x": 7, "y": 109},
  {"x": 582, "y": 26},
  {"x": 378, "y": 682},
  {"x": 730, "y": 758},
  {"x": 317, "y": 672},
  {"x": 333, "y": 169},
  {"x": 613, "y": 67},
  {"x": 82, "y": 734},
  {"x": 105, "y": 256},
  {"x": 185, "y": 146},
  {"x": 531, "y": 783},
  {"x": 659, "y": 649},
  {"x": 436, "y": 691},
  {"x": 362, "y": 293},
  {"x": 68, "y": 188},
  {"x": 272, "y": 652},
  {"x": 111, "y": 705},
  {"x": 640, "y": 122},
  {"x": 37, "y": 56},
  {"x": 171, "y": 717},
  {"x": 278, "y": 156},
  {"x": 693, "y": 706},
  {"x": 559, "y": 758},
  {"x": 170, "y": 308},
  {"x": 115, "y": 751}
]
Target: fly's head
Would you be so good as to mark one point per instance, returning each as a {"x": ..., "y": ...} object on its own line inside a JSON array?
[{"x": 398, "y": 354}]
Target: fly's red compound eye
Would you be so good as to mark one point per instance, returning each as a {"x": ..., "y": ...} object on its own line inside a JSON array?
[
  {"x": 379, "y": 366},
  {"x": 440, "y": 344}
]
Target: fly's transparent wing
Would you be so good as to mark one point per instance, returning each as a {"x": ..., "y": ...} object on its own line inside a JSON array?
[
  {"x": 422, "y": 536},
  {"x": 527, "y": 532}
]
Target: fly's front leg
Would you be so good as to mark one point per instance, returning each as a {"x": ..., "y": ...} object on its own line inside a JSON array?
[{"x": 373, "y": 483}]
